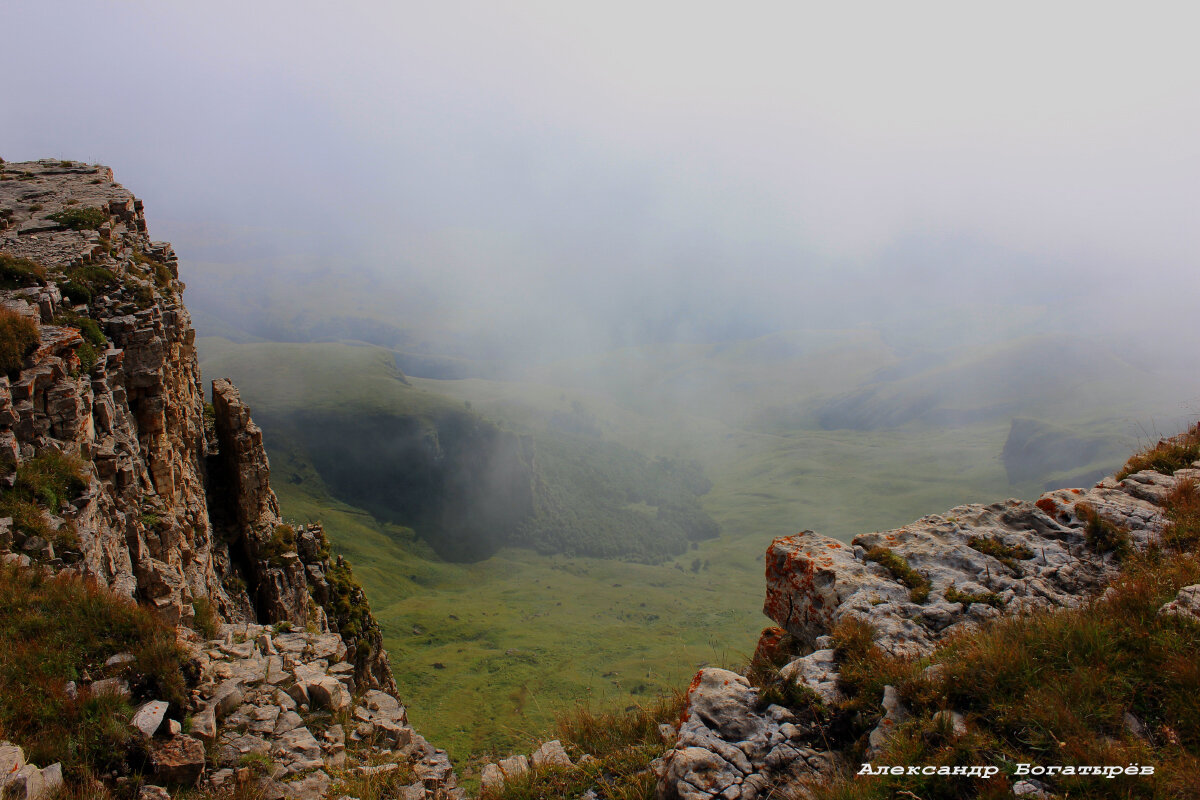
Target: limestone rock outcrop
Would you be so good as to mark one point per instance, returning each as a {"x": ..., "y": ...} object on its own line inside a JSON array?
[
  {"x": 1012, "y": 556},
  {"x": 914, "y": 586}
]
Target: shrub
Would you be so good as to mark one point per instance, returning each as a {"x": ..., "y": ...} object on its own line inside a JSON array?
[
  {"x": 1183, "y": 512},
  {"x": 16, "y": 272},
  {"x": 918, "y": 584},
  {"x": 87, "y": 356},
  {"x": 19, "y": 337},
  {"x": 81, "y": 219}
]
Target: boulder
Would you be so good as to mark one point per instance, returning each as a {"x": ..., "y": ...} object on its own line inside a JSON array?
[
  {"x": 227, "y": 698},
  {"x": 12, "y": 758},
  {"x": 26, "y": 783},
  {"x": 178, "y": 761},
  {"x": 1186, "y": 604},
  {"x": 818, "y": 671},
  {"x": 329, "y": 693},
  {"x": 492, "y": 779},
  {"x": 550, "y": 754}
]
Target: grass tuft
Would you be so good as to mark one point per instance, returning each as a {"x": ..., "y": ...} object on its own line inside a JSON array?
[
  {"x": 1006, "y": 554},
  {"x": 16, "y": 272},
  {"x": 18, "y": 338},
  {"x": 1102, "y": 535},
  {"x": 953, "y": 595},
  {"x": 1166, "y": 456},
  {"x": 81, "y": 219},
  {"x": 918, "y": 584}
]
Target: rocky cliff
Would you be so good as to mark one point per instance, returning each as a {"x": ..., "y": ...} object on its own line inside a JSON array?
[
  {"x": 151, "y": 492},
  {"x": 912, "y": 589}
]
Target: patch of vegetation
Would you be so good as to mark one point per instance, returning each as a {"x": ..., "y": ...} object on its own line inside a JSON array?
[
  {"x": 51, "y": 478},
  {"x": 1006, "y": 554},
  {"x": 160, "y": 271},
  {"x": 1183, "y": 512},
  {"x": 81, "y": 219},
  {"x": 623, "y": 745},
  {"x": 283, "y": 540},
  {"x": 82, "y": 284},
  {"x": 1102, "y": 536},
  {"x": 348, "y": 601},
  {"x": 953, "y": 595},
  {"x": 1167, "y": 455},
  {"x": 205, "y": 617},
  {"x": 16, "y": 272},
  {"x": 88, "y": 328},
  {"x": 143, "y": 296},
  {"x": 918, "y": 584},
  {"x": 87, "y": 356},
  {"x": 377, "y": 786},
  {"x": 19, "y": 337},
  {"x": 59, "y": 629},
  {"x": 44, "y": 481}
]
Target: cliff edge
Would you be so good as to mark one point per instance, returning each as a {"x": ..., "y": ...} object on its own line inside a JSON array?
[{"x": 114, "y": 470}]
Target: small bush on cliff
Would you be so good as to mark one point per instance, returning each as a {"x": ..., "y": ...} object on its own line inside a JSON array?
[
  {"x": 81, "y": 219},
  {"x": 45, "y": 481},
  {"x": 18, "y": 338},
  {"x": 59, "y": 629},
  {"x": 16, "y": 272},
  {"x": 283, "y": 540}
]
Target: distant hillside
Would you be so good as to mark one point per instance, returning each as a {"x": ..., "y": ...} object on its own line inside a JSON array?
[{"x": 463, "y": 484}]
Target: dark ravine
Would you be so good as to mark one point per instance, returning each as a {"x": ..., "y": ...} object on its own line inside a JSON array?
[{"x": 177, "y": 512}]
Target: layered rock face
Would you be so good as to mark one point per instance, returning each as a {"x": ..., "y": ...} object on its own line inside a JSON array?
[
  {"x": 915, "y": 586},
  {"x": 160, "y": 497},
  {"x": 1019, "y": 556}
]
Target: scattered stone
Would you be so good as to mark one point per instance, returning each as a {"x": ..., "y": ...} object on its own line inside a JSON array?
[
  {"x": 149, "y": 717},
  {"x": 118, "y": 686},
  {"x": 894, "y": 714},
  {"x": 120, "y": 660},
  {"x": 152, "y": 792},
  {"x": 1032, "y": 789}
]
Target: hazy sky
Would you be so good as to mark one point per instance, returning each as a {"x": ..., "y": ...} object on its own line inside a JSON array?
[{"x": 809, "y": 154}]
